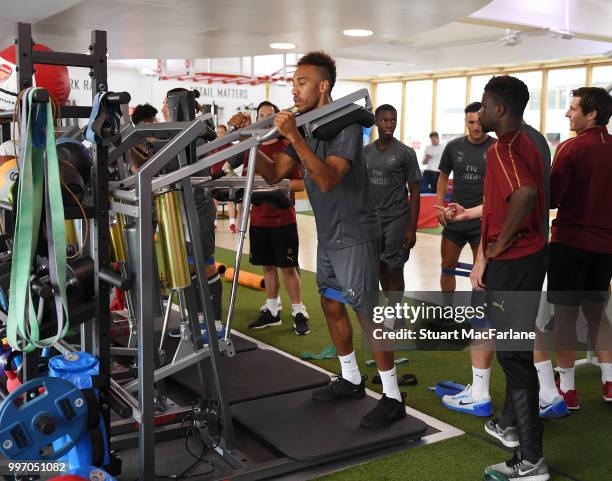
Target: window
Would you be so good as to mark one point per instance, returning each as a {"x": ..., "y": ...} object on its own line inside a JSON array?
[
  {"x": 533, "y": 80},
  {"x": 560, "y": 83},
  {"x": 477, "y": 86},
  {"x": 417, "y": 119},
  {"x": 391, "y": 93},
  {"x": 450, "y": 116},
  {"x": 602, "y": 77}
]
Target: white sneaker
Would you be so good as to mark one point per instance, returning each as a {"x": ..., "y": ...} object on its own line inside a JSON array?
[{"x": 463, "y": 402}]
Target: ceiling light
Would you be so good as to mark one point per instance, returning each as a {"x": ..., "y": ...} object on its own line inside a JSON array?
[
  {"x": 282, "y": 46},
  {"x": 511, "y": 38},
  {"x": 357, "y": 32}
]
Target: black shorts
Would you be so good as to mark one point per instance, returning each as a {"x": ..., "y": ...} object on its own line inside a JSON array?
[
  {"x": 274, "y": 246},
  {"x": 514, "y": 289},
  {"x": 575, "y": 275},
  {"x": 471, "y": 237}
]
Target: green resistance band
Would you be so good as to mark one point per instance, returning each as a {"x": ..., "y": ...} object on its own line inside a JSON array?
[{"x": 39, "y": 184}]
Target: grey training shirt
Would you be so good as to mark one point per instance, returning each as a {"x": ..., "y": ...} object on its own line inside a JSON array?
[
  {"x": 345, "y": 215},
  {"x": 467, "y": 162},
  {"x": 389, "y": 171}
]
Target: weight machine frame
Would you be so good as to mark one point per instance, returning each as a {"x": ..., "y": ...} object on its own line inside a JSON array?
[{"x": 132, "y": 197}]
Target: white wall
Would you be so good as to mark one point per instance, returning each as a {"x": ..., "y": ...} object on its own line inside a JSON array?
[
  {"x": 120, "y": 79},
  {"x": 228, "y": 97}
]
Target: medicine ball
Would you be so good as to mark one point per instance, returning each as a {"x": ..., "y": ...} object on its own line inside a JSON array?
[{"x": 54, "y": 78}]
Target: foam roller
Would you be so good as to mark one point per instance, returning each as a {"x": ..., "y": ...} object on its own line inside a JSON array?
[{"x": 247, "y": 279}]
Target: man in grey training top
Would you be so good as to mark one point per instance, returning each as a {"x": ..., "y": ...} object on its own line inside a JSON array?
[
  {"x": 348, "y": 232},
  {"x": 391, "y": 167}
]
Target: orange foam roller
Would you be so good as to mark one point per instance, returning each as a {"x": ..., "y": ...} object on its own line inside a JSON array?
[
  {"x": 247, "y": 279},
  {"x": 221, "y": 268}
]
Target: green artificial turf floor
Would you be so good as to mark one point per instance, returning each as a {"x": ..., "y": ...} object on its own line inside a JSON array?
[{"x": 578, "y": 448}]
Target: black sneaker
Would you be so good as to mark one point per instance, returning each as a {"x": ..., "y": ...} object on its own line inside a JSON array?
[
  {"x": 300, "y": 324},
  {"x": 266, "y": 320},
  {"x": 386, "y": 412},
  {"x": 340, "y": 388}
]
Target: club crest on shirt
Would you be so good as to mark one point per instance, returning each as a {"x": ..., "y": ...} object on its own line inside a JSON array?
[
  {"x": 391, "y": 159},
  {"x": 459, "y": 156}
]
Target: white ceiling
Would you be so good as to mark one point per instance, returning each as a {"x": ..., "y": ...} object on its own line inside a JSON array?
[{"x": 410, "y": 35}]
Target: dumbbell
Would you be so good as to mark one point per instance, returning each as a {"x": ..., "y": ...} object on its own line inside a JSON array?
[{"x": 79, "y": 278}]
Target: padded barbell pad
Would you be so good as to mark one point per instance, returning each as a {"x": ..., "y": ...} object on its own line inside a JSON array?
[
  {"x": 222, "y": 194},
  {"x": 274, "y": 196},
  {"x": 330, "y": 130}
]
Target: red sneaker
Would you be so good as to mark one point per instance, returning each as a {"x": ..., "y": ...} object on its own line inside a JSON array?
[
  {"x": 570, "y": 397},
  {"x": 607, "y": 391},
  {"x": 233, "y": 229}
]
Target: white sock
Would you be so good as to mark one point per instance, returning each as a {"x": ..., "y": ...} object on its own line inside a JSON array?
[
  {"x": 232, "y": 220},
  {"x": 546, "y": 376},
  {"x": 272, "y": 305},
  {"x": 295, "y": 308},
  {"x": 350, "y": 368},
  {"x": 480, "y": 383},
  {"x": 566, "y": 375},
  {"x": 389, "y": 383},
  {"x": 606, "y": 372},
  {"x": 389, "y": 323}
]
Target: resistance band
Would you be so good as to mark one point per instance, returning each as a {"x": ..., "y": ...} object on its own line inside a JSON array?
[{"x": 39, "y": 184}]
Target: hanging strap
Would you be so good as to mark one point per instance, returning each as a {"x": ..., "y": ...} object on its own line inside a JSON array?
[
  {"x": 39, "y": 181},
  {"x": 104, "y": 122}
]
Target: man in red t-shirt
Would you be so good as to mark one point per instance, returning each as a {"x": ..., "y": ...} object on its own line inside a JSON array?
[
  {"x": 274, "y": 242},
  {"x": 581, "y": 245},
  {"x": 512, "y": 259}
]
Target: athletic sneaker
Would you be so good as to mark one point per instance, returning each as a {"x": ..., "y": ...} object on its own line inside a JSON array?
[
  {"x": 266, "y": 320},
  {"x": 570, "y": 397},
  {"x": 233, "y": 229},
  {"x": 607, "y": 391},
  {"x": 340, "y": 388},
  {"x": 463, "y": 402},
  {"x": 386, "y": 412},
  {"x": 554, "y": 409},
  {"x": 508, "y": 437},
  {"x": 519, "y": 469},
  {"x": 265, "y": 306},
  {"x": 300, "y": 324}
]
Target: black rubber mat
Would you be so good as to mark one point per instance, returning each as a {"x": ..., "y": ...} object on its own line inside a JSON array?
[
  {"x": 307, "y": 430},
  {"x": 258, "y": 374}
]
